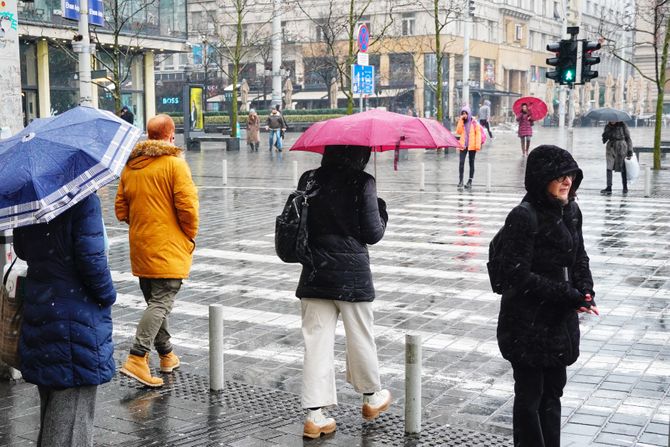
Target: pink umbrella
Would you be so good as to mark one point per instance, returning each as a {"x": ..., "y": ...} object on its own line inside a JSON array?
[{"x": 378, "y": 129}]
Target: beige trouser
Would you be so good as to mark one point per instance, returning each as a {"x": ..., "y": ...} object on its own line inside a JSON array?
[
  {"x": 319, "y": 318},
  {"x": 153, "y": 328}
]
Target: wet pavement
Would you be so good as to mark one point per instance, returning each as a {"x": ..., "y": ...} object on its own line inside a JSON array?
[{"x": 431, "y": 280}]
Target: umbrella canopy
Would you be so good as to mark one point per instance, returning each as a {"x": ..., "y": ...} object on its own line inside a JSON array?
[
  {"x": 607, "y": 114},
  {"x": 56, "y": 162},
  {"x": 536, "y": 107},
  {"x": 378, "y": 129}
]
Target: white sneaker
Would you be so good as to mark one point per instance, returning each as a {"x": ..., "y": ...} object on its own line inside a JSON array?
[
  {"x": 317, "y": 424},
  {"x": 376, "y": 404}
]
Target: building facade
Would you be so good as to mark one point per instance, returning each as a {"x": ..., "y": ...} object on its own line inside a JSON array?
[
  {"x": 134, "y": 34},
  {"x": 507, "y": 50}
]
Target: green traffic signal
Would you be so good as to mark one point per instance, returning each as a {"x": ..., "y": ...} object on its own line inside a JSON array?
[{"x": 568, "y": 76}]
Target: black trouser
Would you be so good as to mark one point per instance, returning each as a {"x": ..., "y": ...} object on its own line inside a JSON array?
[
  {"x": 624, "y": 178},
  {"x": 485, "y": 123},
  {"x": 537, "y": 406},
  {"x": 461, "y": 164}
]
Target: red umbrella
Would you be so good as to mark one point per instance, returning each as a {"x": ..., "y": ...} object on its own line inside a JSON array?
[
  {"x": 378, "y": 129},
  {"x": 536, "y": 107}
]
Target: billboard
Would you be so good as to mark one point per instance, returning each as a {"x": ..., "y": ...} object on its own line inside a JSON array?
[{"x": 195, "y": 108}]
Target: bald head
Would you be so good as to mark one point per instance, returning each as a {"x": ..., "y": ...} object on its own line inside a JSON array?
[{"x": 161, "y": 127}]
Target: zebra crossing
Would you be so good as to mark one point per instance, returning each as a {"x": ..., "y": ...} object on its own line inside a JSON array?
[{"x": 430, "y": 277}]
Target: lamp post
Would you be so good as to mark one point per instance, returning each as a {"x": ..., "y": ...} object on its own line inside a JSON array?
[
  {"x": 186, "y": 101},
  {"x": 276, "y": 53}
]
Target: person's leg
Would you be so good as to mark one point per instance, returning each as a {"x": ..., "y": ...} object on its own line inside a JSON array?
[
  {"x": 67, "y": 416},
  {"x": 471, "y": 160},
  {"x": 271, "y": 135},
  {"x": 461, "y": 164},
  {"x": 550, "y": 405},
  {"x": 624, "y": 178},
  {"x": 279, "y": 141},
  {"x": 523, "y": 145},
  {"x": 319, "y": 318},
  {"x": 361, "y": 354},
  {"x": 608, "y": 188},
  {"x": 152, "y": 328},
  {"x": 526, "y": 428},
  {"x": 527, "y": 145}
]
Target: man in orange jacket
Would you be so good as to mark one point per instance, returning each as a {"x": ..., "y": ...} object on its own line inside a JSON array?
[{"x": 158, "y": 200}]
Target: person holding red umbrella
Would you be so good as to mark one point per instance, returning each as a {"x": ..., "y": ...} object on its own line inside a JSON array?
[{"x": 525, "y": 131}]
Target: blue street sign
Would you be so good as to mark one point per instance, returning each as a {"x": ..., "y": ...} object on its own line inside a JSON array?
[
  {"x": 363, "y": 79},
  {"x": 96, "y": 11}
]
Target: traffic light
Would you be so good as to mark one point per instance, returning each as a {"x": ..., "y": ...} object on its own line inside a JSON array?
[
  {"x": 565, "y": 62},
  {"x": 588, "y": 60},
  {"x": 471, "y": 7}
]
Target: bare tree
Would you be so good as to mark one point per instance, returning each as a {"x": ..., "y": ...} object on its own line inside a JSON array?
[
  {"x": 338, "y": 32},
  {"x": 238, "y": 42},
  {"x": 651, "y": 24}
]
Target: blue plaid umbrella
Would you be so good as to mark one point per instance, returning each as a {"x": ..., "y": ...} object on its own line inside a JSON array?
[{"x": 56, "y": 162}]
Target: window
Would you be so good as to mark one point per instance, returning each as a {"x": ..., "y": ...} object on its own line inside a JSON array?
[
  {"x": 518, "y": 32},
  {"x": 408, "y": 22},
  {"x": 364, "y": 20},
  {"x": 493, "y": 35},
  {"x": 532, "y": 35},
  {"x": 402, "y": 75},
  {"x": 321, "y": 31}
]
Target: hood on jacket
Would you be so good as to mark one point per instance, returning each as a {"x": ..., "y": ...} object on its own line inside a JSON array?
[
  {"x": 355, "y": 157},
  {"x": 147, "y": 151},
  {"x": 544, "y": 164},
  {"x": 487, "y": 102},
  {"x": 466, "y": 109}
]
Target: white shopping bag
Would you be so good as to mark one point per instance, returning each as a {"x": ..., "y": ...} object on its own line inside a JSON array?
[{"x": 632, "y": 169}]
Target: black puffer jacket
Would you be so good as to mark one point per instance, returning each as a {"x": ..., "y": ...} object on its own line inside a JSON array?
[
  {"x": 343, "y": 218},
  {"x": 538, "y": 324}
]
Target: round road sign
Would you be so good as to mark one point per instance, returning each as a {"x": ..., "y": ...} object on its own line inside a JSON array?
[{"x": 363, "y": 38}]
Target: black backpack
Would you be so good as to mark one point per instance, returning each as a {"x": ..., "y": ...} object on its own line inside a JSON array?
[
  {"x": 495, "y": 264},
  {"x": 291, "y": 241}
]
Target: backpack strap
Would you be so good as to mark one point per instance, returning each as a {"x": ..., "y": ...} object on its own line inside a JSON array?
[
  {"x": 311, "y": 187},
  {"x": 4, "y": 279},
  {"x": 533, "y": 216}
]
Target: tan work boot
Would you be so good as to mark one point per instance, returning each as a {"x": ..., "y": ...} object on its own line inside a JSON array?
[
  {"x": 169, "y": 362},
  {"x": 317, "y": 424},
  {"x": 137, "y": 367},
  {"x": 376, "y": 404}
]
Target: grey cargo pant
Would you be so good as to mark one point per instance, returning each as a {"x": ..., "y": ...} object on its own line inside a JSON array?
[{"x": 153, "y": 328}]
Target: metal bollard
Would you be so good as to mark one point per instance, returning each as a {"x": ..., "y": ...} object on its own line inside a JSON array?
[
  {"x": 422, "y": 177},
  {"x": 488, "y": 177},
  {"x": 224, "y": 171},
  {"x": 412, "y": 384},
  {"x": 295, "y": 173},
  {"x": 216, "y": 382},
  {"x": 647, "y": 181}
]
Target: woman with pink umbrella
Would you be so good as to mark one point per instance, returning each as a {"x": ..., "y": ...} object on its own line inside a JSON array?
[{"x": 528, "y": 110}]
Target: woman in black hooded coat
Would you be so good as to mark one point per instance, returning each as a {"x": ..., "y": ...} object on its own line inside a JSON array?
[
  {"x": 344, "y": 217},
  {"x": 548, "y": 282}
]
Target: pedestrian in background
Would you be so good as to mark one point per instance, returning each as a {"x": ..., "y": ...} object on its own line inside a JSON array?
[
  {"x": 156, "y": 197},
  {"x": 525, "y": 130},
  {"x": 126, "y": 115},
  {"x": 275, "y": 124},
  {"x": 548, "y": 283},
  {"x": 253, "y": 130},
  {"x": 345, "y": 216},
  {"x": 66, "y": 346},
  {"x": 485, "y": 115},
  {"x": 619, "y": 146},
  {"x": 470, "y": 135}
]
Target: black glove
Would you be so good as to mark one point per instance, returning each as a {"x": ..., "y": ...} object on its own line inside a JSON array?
[
  {"x": 629, "y": 154},
  {"x": 581, "y": 300},
  {"x": 382, "y": 209}
]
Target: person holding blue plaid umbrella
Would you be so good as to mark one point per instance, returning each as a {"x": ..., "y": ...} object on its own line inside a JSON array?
[{"x": 49, "y": 173}]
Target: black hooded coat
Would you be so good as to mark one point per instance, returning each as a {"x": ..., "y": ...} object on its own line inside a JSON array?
[
  {"x": 538, "y": 324},
  {"x": 343, "y": 218}
]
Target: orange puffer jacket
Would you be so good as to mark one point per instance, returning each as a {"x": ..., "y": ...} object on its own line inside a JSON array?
[
  {"x": 475, "y": 137},
  {"x": 158, "y": 200}
]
